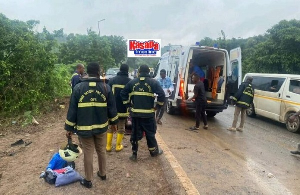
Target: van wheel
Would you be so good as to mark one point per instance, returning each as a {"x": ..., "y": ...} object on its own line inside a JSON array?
[
  {"x": 251, "y": 111},
  {"x": 170, "y": 108},
  {"x": 210, "y": 114},
  {"x": 294, "y": 126}
]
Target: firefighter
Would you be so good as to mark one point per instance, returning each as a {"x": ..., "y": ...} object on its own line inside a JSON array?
[
  {"x": 78, "y": 74},
  {"x": 140, "y": 92},
  {"x": 242, "y": 100},
  {"x": 92, "y": 108},
  {"x": 117, "y": 84}
]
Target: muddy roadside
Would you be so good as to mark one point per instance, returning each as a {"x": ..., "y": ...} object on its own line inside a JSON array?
[{"x": 20, "y": 166}]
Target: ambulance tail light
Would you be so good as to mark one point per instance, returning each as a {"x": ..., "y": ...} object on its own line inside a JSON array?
[{"x": 181, "y": 88}]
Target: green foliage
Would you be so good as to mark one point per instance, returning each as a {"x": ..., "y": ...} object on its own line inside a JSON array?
[
  {"x": 118, "y": 48},
  {"x": 26, "y": 66},
  {"x": 135, "y": 63},
  {"x": 37, "y": 67},
  {"x": 109, "y": 51},
  {"x": 277, "y": 51},
  {"x": 27, "y": 118}
]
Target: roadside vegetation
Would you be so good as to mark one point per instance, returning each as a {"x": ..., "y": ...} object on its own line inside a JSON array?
[{"x": 36, "y": 67}]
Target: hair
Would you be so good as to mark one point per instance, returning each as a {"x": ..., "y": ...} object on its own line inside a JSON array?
[
  {"x": 93, "y": 68},
  {"x": 196, "y": 76},
  {"x": 249, "y": 79},
  {"x": 144, "y": 69},
  {"x": 124, "y": 68},
  {"x": 163, "y": 71},
  {"x": 79, "y": 66}
]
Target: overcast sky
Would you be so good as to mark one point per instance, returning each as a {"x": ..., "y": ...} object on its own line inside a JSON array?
[{"x": 174, "y": 21}]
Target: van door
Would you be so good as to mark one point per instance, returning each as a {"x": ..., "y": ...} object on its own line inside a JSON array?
[
  {"x": 269, "y": 96},
  {"x": 234, "y": 70},
  {"x": 189, "y": 85},
  {"x": 291, "y": 97}
]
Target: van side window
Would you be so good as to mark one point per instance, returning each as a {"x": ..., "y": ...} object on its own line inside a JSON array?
[
  {"x": 267, "y": 83},
  {"x": 294, "y": 86}
]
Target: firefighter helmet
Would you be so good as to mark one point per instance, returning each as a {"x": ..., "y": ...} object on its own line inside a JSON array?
[{"x": 69, "y": 152}]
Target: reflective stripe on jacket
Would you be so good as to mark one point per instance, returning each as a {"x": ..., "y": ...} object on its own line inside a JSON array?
[
  {"x": 244, "y": 96},
  {"x": 92, "y": 108},
  {"x": 140, "y": 93},
  {"x": 118, "y": 84}
]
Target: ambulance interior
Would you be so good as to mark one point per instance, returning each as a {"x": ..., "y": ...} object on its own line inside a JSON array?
[{"x": 212, "y": 63}]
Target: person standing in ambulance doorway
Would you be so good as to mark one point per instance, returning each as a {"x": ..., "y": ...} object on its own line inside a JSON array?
[
  {"x": 167, "y": 85},
  {"x": 242, "y": 101},
  {"x": 140, "y": 92},
  {"x": 92, "y": 108},
  {"x": 117, "y": 84},
  {"x": 200, "y": 101}
]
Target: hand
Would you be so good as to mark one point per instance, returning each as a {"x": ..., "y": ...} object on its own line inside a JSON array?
[
  {"x": 69, "y": 134},
  {"x": 114, "y": 128}
]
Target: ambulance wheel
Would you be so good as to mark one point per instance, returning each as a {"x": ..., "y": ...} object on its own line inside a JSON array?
[
  {"x": 292, "y": 126},
  {"x": 210, "y": 114},
  {"x": 170, "y": 109},
  {"x": 251, "y": 111}
]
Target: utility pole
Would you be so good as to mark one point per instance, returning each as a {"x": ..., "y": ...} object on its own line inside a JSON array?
[{"x": 99, "y": 25}]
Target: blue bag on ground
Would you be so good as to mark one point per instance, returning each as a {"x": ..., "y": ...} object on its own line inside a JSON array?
[
  {"x": 56, "y": 162},
  {"x": 70, "y": 176}
]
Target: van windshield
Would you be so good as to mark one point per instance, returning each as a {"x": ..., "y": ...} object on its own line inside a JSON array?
[{"x": 112, "y": 71}]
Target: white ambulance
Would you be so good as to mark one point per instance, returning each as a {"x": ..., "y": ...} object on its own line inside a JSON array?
[{"x": 214, "y": 62}]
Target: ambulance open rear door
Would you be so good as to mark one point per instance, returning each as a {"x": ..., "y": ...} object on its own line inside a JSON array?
[{"x": 234, "y": 71}]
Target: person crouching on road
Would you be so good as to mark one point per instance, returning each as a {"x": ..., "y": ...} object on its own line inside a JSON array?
[
  {"x": 242, "y": 100},
  {"x": 200, "y": 101},
  {"x": 117, "y": 84},
  {"x": 167, "y": 85},
  {"x": 140, "y": 91},
  {"x": 92, "y": 108}
]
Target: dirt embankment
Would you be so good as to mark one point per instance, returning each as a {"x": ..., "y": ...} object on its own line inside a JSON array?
[{"x": 20, "y": 166}]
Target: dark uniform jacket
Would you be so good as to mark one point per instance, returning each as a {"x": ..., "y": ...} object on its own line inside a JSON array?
[
  {"x": 75, "y": 79},
  {"x": 140, "y": 92},
  {"x": 92, "y": 108},
  {"x": 244, "y": 96},
  {"x": 117, "y": 84}
]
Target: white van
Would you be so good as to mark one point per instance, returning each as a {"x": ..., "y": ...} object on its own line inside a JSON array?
[
  {"x": 216, "y": 65},
  {"x": 276, "y": 96}
]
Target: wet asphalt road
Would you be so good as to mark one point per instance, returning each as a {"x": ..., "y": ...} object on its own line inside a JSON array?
[{"x": 256, "y": 161}]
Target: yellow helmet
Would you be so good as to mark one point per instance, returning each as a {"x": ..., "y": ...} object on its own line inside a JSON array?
[{"x": 69, "y": 152}]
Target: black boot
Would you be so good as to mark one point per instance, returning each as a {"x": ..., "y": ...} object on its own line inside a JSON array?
[
  {"x": 102, "y": 177},
  {"x": 295, "y": 152},
  {"x": 156, "y": 152},
  {"x": 85, "y": 183},
  {"x": 135, "y": 147},
  {"x": 133, "y": 157}
]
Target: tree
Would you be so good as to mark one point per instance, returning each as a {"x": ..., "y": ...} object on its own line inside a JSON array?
[
  {"x": 118, "y": 48},
  {"x": 26, "y": 66},
  {"x": 279, "y": 53},
  {"x": 87, "y": 48}
]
